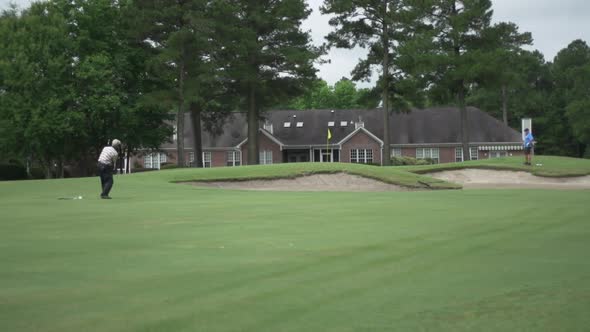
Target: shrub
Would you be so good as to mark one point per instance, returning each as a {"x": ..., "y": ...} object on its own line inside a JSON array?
[
  {"x": 141, "y": 169},
  {"x": 168, "y": 166},
  {"x": 402, "y": 161},
  {"x": 12, "y": 172},
  {"x": 37, "y": 173}
]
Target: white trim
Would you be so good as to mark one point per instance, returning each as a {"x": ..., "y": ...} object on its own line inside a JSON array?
[
  {"x": 365, "y": 159},
  {"x": 356, "y": 131},
  {"x": 459, "y": 149},
  {"x": 430, "y": 153},
  {"x": 210, "y": 159},
  {"x": 239, "y": 146},
  {"x": 263, "y": 157},
  {"x": 233, "y": 159},
  {"x": 267, "y": 134},
  {"x": 272, "y": 138}
]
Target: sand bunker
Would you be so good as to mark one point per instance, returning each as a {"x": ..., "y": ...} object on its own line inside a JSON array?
[
  {"x": 469, "y": 178},
  {"x": 481, "y": 178},
  {"x": 316, "y": 182}
]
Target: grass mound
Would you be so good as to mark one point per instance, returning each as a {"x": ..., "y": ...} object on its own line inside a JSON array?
[
  {"x": 548, "y": 166},
  {"x": 392, "y": 175}
]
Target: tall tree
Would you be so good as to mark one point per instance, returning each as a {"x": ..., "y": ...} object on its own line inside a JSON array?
[
  {"x": 187, "y": 62},
  {"x": 36, "y": 86},
  {"x": 503, "y": 58},
  {"x": 379, "y": 25},
  {"x": 73, "y": 80},
  {"x": 513, "y": 91},
  {"x": 343, "y": 95},
  {"x": 455, "y": 52},
  {"x": 165, "y": 26},
  {"x": 269, "y": 58},
  {"x": 571, "y": 94}
]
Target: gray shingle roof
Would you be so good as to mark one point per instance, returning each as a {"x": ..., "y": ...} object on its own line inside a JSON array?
[{"x": 421, "y": 126}]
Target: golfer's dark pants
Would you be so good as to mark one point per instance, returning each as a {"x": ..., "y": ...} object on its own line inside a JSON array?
[{"x": 106, "y": 178}]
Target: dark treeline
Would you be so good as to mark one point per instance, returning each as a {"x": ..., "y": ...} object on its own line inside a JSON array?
[{"x": 75, "y": 74}]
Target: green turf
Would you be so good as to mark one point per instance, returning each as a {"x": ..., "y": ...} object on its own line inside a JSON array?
[
  {"x": 171, "y": 257},
  {"x": 393, "y": 175},
  {"x": 549, "y": 166}
]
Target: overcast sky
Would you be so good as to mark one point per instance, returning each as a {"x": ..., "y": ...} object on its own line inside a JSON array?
[{"x": 553, "y": 24}]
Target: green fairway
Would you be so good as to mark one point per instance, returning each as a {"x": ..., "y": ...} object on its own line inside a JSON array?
[{"x": 162, "y": 256}]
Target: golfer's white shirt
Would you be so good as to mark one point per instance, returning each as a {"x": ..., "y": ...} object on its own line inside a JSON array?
[{"x": 108, "y": 155}]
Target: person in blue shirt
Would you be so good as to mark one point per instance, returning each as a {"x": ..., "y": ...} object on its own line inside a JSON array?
[{"x": 528, "y": 146}]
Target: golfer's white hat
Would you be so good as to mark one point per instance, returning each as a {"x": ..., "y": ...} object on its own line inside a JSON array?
[{"x": 116, "y": 142}]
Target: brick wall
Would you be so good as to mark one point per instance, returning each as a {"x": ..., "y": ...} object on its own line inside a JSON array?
[
  {"x": 361, "y": 141},
  {"x": 446, "y": 155},
  {"x": 264, "y": 144}
]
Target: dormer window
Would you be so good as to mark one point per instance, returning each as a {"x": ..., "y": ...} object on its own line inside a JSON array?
[
  {"x": 331, "y": 124},
  {"x": 287, "y": 125},
  {"x": 343, "y": 123},
  {"x": 268, "y": 127},
  {"x": 299, "y": 124}
]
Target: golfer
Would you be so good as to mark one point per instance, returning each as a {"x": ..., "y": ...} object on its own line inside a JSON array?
[
  {"x": 528, "y": 146},
  {"x": 106, "y": 167}
]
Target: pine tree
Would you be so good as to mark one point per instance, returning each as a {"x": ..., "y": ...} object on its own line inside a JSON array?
[
  {"x": 379, "y": 25},
  {"x": 455, "y": 51},
  {"x": 268, "y": 58}
]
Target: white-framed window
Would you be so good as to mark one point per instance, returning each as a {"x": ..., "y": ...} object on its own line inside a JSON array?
[
  {"x": 326, "y": 155},
  {"x": 458, "y": 154},
  {"x": 330, "y": 123},
  {"x": 268, "y": 127},
  {"x": 343, "y": 123},
  {"x": 498, "y": 154},
  {"x": 396, "y": 152},
  {"x": 299, "y": 125},
  {"x": 361, "y": 156},
  {"x": 432, "y": 153},
  {"x": 234, "y": 158},
  {"x": 154, "y": 160},
  {"x": 287, "y": 124},
  {"x": 265, "y": 157},
  {"x": 191, "y": 159},
  {"x": 473, "y": 153},
  {"x": 207, "y": 159}
]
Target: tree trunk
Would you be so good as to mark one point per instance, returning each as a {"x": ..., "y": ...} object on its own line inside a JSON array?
[
  {"x": 464, "y": 122},
  {"x": 180, "y": 119},
  {"x": 28, "y": 159},
  {"x": 504, "y": 105},
  {"x": 460, "y": 86},
  {"x": 60, "y": 169},
  {"x": 127, "y": 166},
  {"x": 386, "y": 156},
  {"x": 252, "y": 127},
  {"x": 48, "y": 168},
  {"x": 197, "y": 144}
]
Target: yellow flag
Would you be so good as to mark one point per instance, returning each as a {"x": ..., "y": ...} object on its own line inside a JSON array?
[{"x": 329, "y": 134}]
